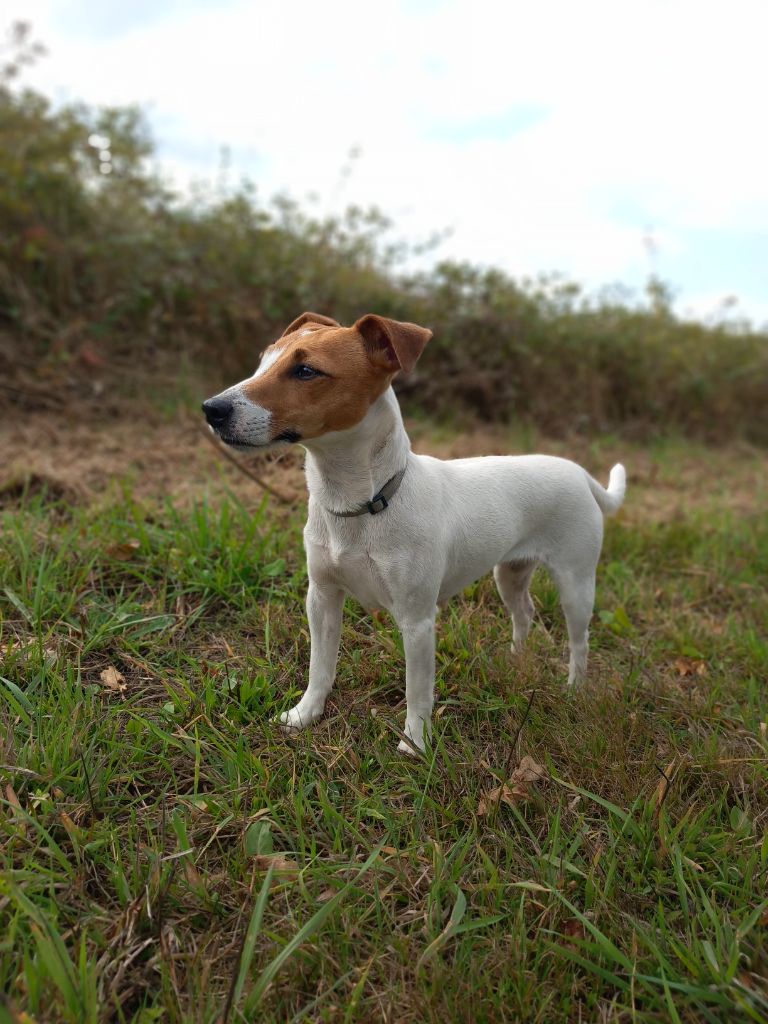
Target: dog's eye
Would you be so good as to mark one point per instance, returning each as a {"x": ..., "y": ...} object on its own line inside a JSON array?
[{"x": 304, "y": 372}]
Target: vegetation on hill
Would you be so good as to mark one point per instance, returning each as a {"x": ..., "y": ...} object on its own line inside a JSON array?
[{"x": 111, "y": 274}]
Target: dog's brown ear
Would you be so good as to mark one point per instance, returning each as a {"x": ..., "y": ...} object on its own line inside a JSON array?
[
  {"x": 309, "y": 318},
  {"x": 391, "y": 344}
]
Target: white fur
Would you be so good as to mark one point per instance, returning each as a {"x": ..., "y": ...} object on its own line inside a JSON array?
[
  {"x": 250, "y": 425},
  {"x": 449, "y": 523},
  {"x": 267, "y": 360}
]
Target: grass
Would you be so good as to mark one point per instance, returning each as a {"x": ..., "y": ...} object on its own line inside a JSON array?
[{"x": 168, "y": 855}]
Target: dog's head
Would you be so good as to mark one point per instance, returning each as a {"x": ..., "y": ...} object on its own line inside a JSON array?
[{"x": 317, "y": 378}]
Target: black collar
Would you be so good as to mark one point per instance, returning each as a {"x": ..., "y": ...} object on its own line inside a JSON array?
[{"x": 379, "y": 501}]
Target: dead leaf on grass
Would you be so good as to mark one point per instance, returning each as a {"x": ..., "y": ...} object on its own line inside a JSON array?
[
  {"x": 685, "y": 666},
  {"x": 281, "y": 865},
  {"x": 10, "y": 794},
  {"x": 192, "y": 875},
  {"x": 74, "y": 831},
  {"x": 27, "y": 647},
  {"x": 573, "y": 929},
  {"x": 692, "y": 864},
  {"x": 664, "y": 782},
  {"x": 123, "y": 552},
  {"x": 13, "y": 800},
  {"x": 113, "y": 680},
  {"x": 516, "y": 788},
  {"x": 89, "y": 357}
]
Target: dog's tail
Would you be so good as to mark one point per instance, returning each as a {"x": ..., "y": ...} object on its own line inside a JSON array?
[{"x": 610, "y": 500}]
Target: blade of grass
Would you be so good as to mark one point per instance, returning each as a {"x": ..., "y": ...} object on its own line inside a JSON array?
[{"x": 303, "y": 933}]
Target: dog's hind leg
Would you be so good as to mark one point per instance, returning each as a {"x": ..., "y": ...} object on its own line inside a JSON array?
[
  {"x": 577, "y": 596},
  {"x": 512, "y": 579}
]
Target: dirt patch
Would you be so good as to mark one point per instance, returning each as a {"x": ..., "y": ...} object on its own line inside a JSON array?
[
  {"x": 23, "y": 485},
  {"x": 78, "y": 460},
  {"x": 156, "y": 458}
]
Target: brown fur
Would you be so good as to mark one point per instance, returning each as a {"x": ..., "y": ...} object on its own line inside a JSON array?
[
  {"x": 358, "y": 362},
  {"x": 316, "y": 318}
]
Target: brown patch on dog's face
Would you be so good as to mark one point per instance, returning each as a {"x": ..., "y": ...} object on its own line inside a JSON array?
[{"x": 318, "y": 379}]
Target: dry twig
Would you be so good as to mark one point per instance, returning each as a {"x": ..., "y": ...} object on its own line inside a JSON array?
[{"x": 223, "y": 450}]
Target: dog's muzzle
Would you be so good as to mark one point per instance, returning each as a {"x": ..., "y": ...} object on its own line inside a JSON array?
[{"x": 240, "y": 423}]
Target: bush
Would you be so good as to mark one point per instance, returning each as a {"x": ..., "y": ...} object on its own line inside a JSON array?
[{"x": 112, "y": 275}]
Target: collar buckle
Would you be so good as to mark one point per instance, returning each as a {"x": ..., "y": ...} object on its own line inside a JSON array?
[
  {"x": 377, "y": 504},
  {"x": 379, "y": 501}
]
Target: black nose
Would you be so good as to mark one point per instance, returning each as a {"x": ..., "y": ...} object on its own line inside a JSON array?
[{"x": 217, "y": 411}]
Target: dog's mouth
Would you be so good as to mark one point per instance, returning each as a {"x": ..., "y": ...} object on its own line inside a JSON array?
[
  {"x": 239, "y": 446},
  {"x": 285, "y": 437}
]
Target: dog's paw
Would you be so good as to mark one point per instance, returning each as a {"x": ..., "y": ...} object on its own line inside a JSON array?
[
  {"x": 408, "y": 748},
  {"x": 303, "y": 715},
  {"x": 416, "y": 732}
]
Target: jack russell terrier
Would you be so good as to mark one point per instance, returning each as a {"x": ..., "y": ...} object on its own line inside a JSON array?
[{"x": 404, "y": 531}]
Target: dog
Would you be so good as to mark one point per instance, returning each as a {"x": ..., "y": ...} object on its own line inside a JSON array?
[{"x": 403, "y": 531}]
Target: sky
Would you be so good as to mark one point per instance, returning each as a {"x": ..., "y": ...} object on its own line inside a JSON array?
[{"x": 602, "y": 139}]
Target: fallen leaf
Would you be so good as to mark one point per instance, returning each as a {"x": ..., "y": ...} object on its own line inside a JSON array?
[
  {"x": 29, "y": 647},
  {"x": 573, "y": 929},
  {"x": 113, "y": 680},
  {"x": 517, "y": 787},
  {"x": 123, "y": 552},
  {"x": 690, "y": 666},
  {"x": 88, "y": 356},
  {"x": 664, "y": 782},
  {"x": 13, "y": 800},
  {"x": 692, "y": 864},
  {"x": 192, "y": 875},
  {"x": 282, "y": 865},
  {"x": 73, "y": 831}
]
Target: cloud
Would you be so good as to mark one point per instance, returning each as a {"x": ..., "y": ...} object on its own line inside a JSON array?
[{"x": 548, "y": 136}]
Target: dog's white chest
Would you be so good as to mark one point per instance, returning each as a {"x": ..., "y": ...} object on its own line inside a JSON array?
[{"x": 352, "y": 568}]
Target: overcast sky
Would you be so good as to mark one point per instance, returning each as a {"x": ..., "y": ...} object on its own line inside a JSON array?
[{"x": 550, "y": 135}]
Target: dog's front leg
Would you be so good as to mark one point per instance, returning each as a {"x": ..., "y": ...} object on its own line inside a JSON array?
[
  {"x": 324, "y": 608},
  {"x": 419, "y": 644}
]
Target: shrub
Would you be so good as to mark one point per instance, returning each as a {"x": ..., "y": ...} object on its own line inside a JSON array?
[{"x": 114, "y": 275}]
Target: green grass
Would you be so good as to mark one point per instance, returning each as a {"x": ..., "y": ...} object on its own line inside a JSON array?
[{"x": 168, "y": 855}]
